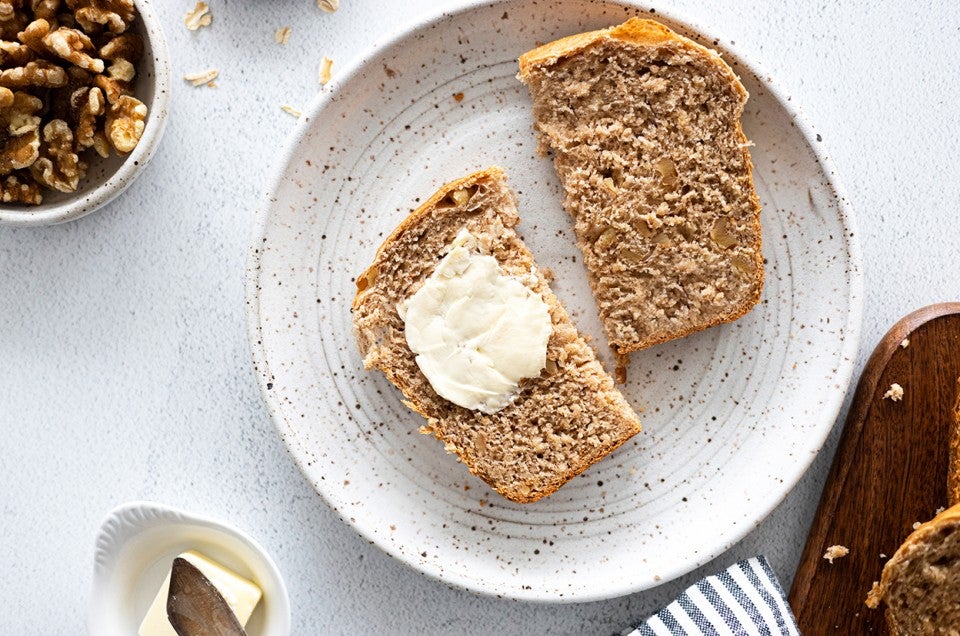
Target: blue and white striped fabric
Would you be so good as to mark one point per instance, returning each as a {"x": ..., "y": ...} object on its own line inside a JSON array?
[{"x": 744, "y": 600}]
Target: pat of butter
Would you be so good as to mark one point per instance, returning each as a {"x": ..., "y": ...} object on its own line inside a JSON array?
[
  {"x": 240, "y": 594},
  {"x": 476, "y": 331}
]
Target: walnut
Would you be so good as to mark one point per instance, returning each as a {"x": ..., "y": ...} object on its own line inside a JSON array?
[
  {"x": 19, "y": 125},
  {"x": 60, "y": 101},
  {"x": 74, "y": 47},
  {"x": 92, "y": 105},
  {"x": 128, "y": 46},
  {"x": 722, "y": 234},
  {"x": 125, "y": 122},
  {"x": 22, "y": 114},
  {"x": 101, "y": 144},
  {"x": 33, "y": 34},
  {"x": 6, "y": 97},
  {"x": 58, "y": 167},
  {"x": 7, "y": 10},
  {"x": 40, "y": 74},
  {"x": 19, "y": 152},
  {"x": 15, "y": 23},
  {"x": 45, "y": 9},
  {"x": 95, "y": 15},
  {"x": 15, "y": 54},
  {"x": 20, "y": 189},
  {"x": 122, "y": 71},
  {"x": 112, "y": 89}
]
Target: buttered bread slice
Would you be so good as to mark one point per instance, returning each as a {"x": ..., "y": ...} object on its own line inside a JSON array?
[
  {"x": 644, "y": 126},
  {"x": 456, "y": 313}
]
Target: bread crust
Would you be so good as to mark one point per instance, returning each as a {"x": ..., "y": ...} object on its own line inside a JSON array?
[
  {"x": 643, "y": 32},
  {"x": 414, "y": 218}
]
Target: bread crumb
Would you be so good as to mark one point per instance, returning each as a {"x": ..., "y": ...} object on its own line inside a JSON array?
[
  {"x": 874, "y": 596},
  {"x": 894, "y": 393},
  {"x": 282, "y": 35},
  {"x": 200, "y": 16},
  {"x": 290, "y": 110},
  {"x": 836, "y": 552},
  {"x": 939, "y": 510},
  {"x": 905, "y": 343},
  {"x": 326, "y": 64},
  {"x": 204, "y": 77},
  {"x": 916, "y": 524}
]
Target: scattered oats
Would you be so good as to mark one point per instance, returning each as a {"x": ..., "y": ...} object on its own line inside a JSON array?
[
  {"x": 329, "y": 5},
  {"x": 326, "y": 64},
  {"x": 883, "y": 556},
  {"x": 916, "y": 524},
  {"x": 282, "y": 36},
  {"x": 199, "y": 79},
  {"x": 199, "y": 17},
  {"x": 939, "y": 510},
  {"x": 905, "y": 343},
  {"x": 836, "y": 552},
  {"x": 290, "y": 110},
  {"x": 894, "y": 393}
]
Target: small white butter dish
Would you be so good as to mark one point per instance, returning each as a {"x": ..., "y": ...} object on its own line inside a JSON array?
[{"x": 135, "y": 548}]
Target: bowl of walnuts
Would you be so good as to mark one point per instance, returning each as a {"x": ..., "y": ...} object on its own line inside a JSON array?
[{"x": 84, "y": 93}]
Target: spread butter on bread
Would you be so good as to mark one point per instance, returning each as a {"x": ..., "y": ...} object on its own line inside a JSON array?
[{"x": 566, "y": 417}]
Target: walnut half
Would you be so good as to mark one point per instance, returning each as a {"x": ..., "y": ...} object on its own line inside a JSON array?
[
  {"x": 125, "y": 123},
  {"x": 58, "y": 167}
]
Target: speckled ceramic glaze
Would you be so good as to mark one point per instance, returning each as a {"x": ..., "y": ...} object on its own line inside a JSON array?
[
  {"x": 107, "y": 178},
  {"x": 732, "y": 416},
  {"x": 135, "y": 548}
]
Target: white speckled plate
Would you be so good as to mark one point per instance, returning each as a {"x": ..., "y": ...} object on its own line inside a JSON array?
[{"x": 733, "y": 415}]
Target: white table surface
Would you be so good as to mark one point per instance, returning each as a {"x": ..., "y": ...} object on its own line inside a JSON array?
[{"x": 125, "y": 370}]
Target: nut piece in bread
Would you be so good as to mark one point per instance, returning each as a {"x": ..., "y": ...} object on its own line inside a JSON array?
[
  {"x": 644, "y": 127},
  {"x": 561, "y": 422}
]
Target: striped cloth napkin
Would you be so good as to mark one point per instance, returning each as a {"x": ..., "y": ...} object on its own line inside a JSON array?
[{"x": 744, "y": 600}]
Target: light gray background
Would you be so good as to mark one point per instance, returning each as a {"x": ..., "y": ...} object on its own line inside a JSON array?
[{"x": 125, "y": 371}]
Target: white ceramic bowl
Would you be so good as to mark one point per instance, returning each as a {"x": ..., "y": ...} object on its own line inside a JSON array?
[
  {"x": 107, "y": 178},
  {"x": 134, "y": 550},
  {"x": 732, "y": 415}
]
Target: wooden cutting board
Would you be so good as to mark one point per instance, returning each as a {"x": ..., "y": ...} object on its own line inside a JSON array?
[{"x": 890, "y": 471}]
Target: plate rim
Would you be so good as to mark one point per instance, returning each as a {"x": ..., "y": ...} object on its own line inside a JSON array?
[{"x": 847, "y": 355}]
